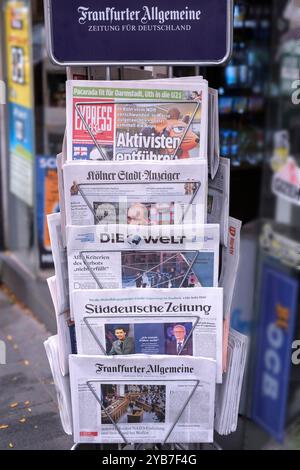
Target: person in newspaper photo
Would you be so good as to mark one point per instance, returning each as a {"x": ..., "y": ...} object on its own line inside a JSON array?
[
  {"x": 138, "y": 215},
  {"x": 123, "y": 345},
  {"x": 178, "y": 345}
]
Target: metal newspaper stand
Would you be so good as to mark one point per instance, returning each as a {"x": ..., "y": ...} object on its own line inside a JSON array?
[{"x": 70, "y": 31}]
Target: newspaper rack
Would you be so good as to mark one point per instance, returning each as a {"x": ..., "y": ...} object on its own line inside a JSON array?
[
  {"x": 99, "y": 219},
  {"x": 190, "y": 265},
  {"x": 117, "y": 428},
  {"x": 148, "y": 102},
  {"x": 102, "y": 347}
]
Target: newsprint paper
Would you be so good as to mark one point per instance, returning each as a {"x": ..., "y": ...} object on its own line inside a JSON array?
[
  {"x": 228, "y": 394},
  {"x": 132, "y": 121},
  {"x": 137, "y": 194},
  {"x": 63, "y": 331},
  {"x": 142, "y": 399},
  {"x": 116, "y": 257},
  {"x": 60, "y": 261},
  {"x": 182, "y": 322},
  {"x": 218, "y": 199},
  {"x": 62, "y": 384}
]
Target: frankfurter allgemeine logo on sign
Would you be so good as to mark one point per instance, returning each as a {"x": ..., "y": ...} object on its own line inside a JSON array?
[
  {"x": 144, "y": 15},
  {"x": 191, "y": 32}
]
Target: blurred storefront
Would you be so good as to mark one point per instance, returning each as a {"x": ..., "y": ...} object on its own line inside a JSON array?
[{"x": 259, "y": 132}]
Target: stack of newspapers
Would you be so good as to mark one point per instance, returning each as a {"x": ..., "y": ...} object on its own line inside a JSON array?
[{"x": 146, "y": 257}]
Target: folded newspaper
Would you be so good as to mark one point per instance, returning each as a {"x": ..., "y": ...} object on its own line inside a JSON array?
[
  {"x": 218, "y": 199},
  {"x": 213, "y": 132},
  {"x": 151, "y": 321},
  {"x": 230, "y": 263},
  {"x": 115, "y": 257},
  {"x": 63, "y": 322},
  {"x": 137, "y": 194},
  {"x": 59, "y": 253},
  {"x": 228, "y": 394},
  {"x": 132, "y": 121},
  {"x": 62, "y": 384},
  {"x": 141, "y": 399},
  {"x": 61, "y": 192}
]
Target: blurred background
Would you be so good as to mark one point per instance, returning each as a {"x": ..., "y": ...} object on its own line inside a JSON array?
[{"x": 259, "y": 99}]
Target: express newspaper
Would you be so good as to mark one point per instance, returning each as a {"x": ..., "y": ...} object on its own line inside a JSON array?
[
  {"x": 213, "y": 131},
  {"x": 133, "y": 121}
]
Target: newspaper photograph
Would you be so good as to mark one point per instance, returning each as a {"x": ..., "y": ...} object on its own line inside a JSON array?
[
  {"x": 136, "y": 194},
  {"x": 150, "y": 322},
  {"x": 130, "y": 121},
  {"x": 142, "y": 399},
  {"x": 218, "y": 199},
  {"x": 116, "y": 257},
  {"x": 213, "y": 128}
]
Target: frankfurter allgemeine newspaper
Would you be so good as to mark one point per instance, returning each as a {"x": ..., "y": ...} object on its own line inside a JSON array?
[{"x": 142, "y": 399}]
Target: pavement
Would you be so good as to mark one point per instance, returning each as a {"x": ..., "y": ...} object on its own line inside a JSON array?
[{"x": 29, "y": 416}]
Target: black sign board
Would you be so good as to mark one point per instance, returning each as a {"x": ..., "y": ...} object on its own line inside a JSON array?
[{"x": 139, "y": 32}]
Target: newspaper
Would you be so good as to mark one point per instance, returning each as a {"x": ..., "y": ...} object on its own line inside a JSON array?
[
  {"x": 61, "y": 191},
  {"x": 226, "y": 332},
  {"x": 60, "y": 261},
  {"x": 63, "y": 322},
  {"x": 132, "y": 121},
  {"x": 213, "y": 130},
  {"x": 152, "y": 321},
  {"x": 213, "y": 133},
  {"x": 62, "y": 384},
  {"x": 64, "y": 148},
  {"x": 230, "y": 263},
  {"x": 228, "y": 394},
  {"x": 142, "y": 399},
  {"x": 124, "y": 256},
  {"x": 136, "y": 194},
  {"x": 218, "y": 199}
]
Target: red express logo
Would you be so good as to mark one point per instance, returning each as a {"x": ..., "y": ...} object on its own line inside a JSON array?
[{"x": 90, "y": 117}]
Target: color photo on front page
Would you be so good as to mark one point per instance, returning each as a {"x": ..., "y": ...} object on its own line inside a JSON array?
[{"x": 142, "y": 399}]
